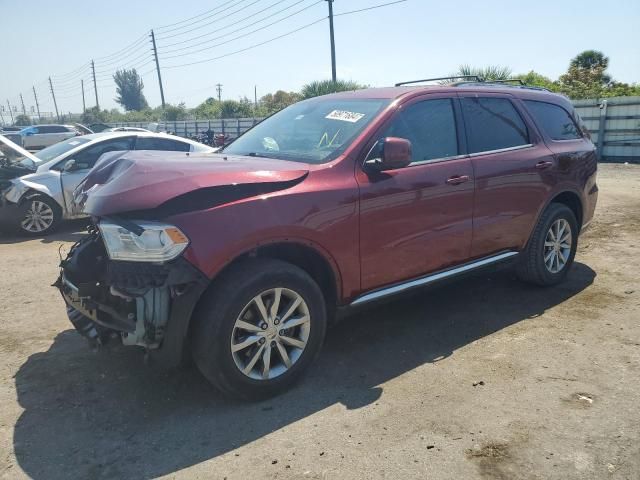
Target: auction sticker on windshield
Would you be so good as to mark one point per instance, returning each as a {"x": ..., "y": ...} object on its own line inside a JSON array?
[{"x": 345, "y": 116}]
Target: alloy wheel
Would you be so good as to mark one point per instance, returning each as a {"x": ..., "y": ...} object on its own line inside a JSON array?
[
  {"x": 557, "y": 245},
  {"x": 38, "y": 218},
  {"x": 270, "y": 334}
]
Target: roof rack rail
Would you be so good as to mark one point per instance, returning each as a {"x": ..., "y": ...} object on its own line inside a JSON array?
[
  {"x": 488, "y": 83},
  {"x": 508, "y": 80},
  {"x": 475, "y": 77}
]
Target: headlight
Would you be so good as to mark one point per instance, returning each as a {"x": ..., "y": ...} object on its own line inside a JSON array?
[{"x": 158, "y": 242}]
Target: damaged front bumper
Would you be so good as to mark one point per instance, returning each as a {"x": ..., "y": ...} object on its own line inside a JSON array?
[{"x": 144, "y": 304}]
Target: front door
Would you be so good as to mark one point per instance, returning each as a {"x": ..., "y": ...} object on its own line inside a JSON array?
[{"x": 418, "y": 219}]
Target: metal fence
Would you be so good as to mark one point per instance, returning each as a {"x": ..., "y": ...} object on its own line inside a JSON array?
[
  {"x": 232, "y": 127},
  {"x": 614, "y": 124}
]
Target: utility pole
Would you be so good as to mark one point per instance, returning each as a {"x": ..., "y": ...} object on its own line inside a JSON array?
[
  {"x": 84, "y": 106},
  {"x": 24, "y": 110},
  {"x": 333, "y": 42},
  {"x": 10, "y": 112},
  {"x": 155, "y": 56},
  {"x": 255, "y": 100},
  {"x": 55, "y": 104},
  {"x": 37, "y": 104},
  {"x": 95, "y": 85},
  {"x": 219, "y": 90}
]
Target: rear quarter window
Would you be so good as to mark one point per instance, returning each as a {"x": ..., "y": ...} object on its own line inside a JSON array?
[{"x": 554, "y": 120}]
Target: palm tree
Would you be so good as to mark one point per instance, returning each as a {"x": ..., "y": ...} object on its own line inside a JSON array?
[
  {"x": 492, "y": 72},
  {"x": 324, "y": 87}
]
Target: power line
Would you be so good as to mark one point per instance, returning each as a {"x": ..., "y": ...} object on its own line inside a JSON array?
[
  {"x": 243, "y": 28},
  {"x": 211, "y": 22},
  {"x": 368, "y": 8},
  {"x": 72, "y": 73},
  {"x": 122, "y": 50},
  {"x": 191, "y": 18},
  {"x": 244, "y": 34},
  {"x": 235, "y": 23},
  {"x": 204, "y": 18},
  {"x": 140, "y": 53},
  {"x": 249, "y": 47}
]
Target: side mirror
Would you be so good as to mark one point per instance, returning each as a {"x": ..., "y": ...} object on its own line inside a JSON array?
[
  {"x": 389, "y": 154},
  {"x": 70, "y": 166}
]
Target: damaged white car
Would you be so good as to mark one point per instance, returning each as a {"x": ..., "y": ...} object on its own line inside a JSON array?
[{"x": 36, "y": 190}]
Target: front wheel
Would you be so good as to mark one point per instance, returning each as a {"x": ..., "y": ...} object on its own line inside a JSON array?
[
  {"x": 259, "y": 329},
  {"x": 552, "y": 247},
  {"x": 40, "y": 215}
]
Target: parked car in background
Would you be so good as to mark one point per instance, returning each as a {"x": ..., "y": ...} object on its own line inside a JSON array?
[
  {"x": 334, "y": 202},
  {"x": 99, "y": 127},
  {"x": 37, "y": 137},
  {"x": 37, "y": 189},
  {"x": 127, "y": 129},
  {"x": 10, "y": 129}
]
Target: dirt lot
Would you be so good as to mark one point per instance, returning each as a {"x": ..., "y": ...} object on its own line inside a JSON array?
[{"x": 485, "y": 378}]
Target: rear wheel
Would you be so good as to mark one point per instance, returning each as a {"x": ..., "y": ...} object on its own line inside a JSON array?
[
  {"x": 259, "y": 329},
  {"x": 552, "y": 247},
  {"x": 40, "y": 216}
]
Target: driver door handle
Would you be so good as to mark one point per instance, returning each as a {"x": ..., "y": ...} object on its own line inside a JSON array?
[
  {"x": 457, "y": 179},
  {"x": 544, "y": 164}
]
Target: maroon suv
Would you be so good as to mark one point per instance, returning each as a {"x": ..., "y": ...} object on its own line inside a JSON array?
[{"x": 241, "y": 258}]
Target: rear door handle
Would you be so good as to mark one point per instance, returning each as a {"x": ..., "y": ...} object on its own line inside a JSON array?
[
  {"x": 457, "y": 179},
  {"x": 544, "y": 164}
]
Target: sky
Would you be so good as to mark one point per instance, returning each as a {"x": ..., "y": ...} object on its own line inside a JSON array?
[{"x": 405, "y": 41}]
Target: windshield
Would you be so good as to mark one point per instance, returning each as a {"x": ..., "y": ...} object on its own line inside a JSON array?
[
  {"x": 313, "y": 131},
  {"x": 59, "y": 148}
]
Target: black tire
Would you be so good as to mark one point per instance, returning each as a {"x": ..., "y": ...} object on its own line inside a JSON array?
[
  {"x": 531, "y": 267},
  {"x": 27, "y": 205},
  {"x": 223, "y": 303}
]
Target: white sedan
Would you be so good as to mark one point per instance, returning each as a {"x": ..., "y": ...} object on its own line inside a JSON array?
[{"x": 36, "y": 190}]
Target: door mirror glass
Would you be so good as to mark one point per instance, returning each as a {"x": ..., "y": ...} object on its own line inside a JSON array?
[
  {"x": 390, "y": 153},
  {"x": 70, "y": 166}
]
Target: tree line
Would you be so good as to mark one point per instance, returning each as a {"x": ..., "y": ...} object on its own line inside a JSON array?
[{"x": 586, "y": 77}]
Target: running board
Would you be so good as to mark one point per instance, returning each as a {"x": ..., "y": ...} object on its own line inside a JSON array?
[{"x": 402, "y": 287}]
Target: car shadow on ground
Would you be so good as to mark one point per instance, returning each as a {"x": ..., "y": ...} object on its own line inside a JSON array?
[
  {"x": 69, "y": 231},
  {"x": 107, "y": 415}
]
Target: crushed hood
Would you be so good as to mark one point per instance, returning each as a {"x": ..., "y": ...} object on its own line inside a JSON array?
[{"x": 177, "y": 182}]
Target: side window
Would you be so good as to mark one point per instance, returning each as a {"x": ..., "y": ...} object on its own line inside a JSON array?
[
  {"x": 554, "y": 120},
  {"x": 430, "y": 126},
  {"x": 88, "y": 157},
  {"x": 58, "y": 129},
  {"x": 151, "y": 143},
  {"x": 44, "y": 129},
  {"x": 493, "y": 124}
]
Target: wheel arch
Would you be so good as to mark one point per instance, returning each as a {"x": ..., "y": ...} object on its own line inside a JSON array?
[
  {"x": 303, "y": 254},
  {"x": 572, "y": 200}
]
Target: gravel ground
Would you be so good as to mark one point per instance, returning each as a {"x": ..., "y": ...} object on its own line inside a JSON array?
[{"x": 484, "y": 378}]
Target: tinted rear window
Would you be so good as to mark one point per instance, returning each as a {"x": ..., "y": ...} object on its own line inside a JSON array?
[
  {"x": 493, "y": 124},
  {"x": 554, "y": 120},
  {"x": 151, "y": 143}
]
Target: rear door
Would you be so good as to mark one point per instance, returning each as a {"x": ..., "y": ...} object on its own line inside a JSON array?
[
  {"x": 511, "y": 165},
  {"x": 85, "y": 160},
  {"x": 417, "y": 219}
]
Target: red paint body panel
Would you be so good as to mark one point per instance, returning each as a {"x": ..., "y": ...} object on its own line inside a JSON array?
[
  {"x": 145, "y": 180},
  {"x": 374, "y": 229}
]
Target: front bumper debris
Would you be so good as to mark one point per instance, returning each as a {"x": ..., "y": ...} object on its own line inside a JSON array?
[{"x": 142, "y": 304}]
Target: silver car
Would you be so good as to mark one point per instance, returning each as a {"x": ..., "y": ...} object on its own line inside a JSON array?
[
  {"x": 36, "y": 190},
  {"x": 37, "y": 137}
]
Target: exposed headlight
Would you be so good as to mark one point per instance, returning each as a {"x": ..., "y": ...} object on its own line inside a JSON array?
[{"x": 158, "y": 242}]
